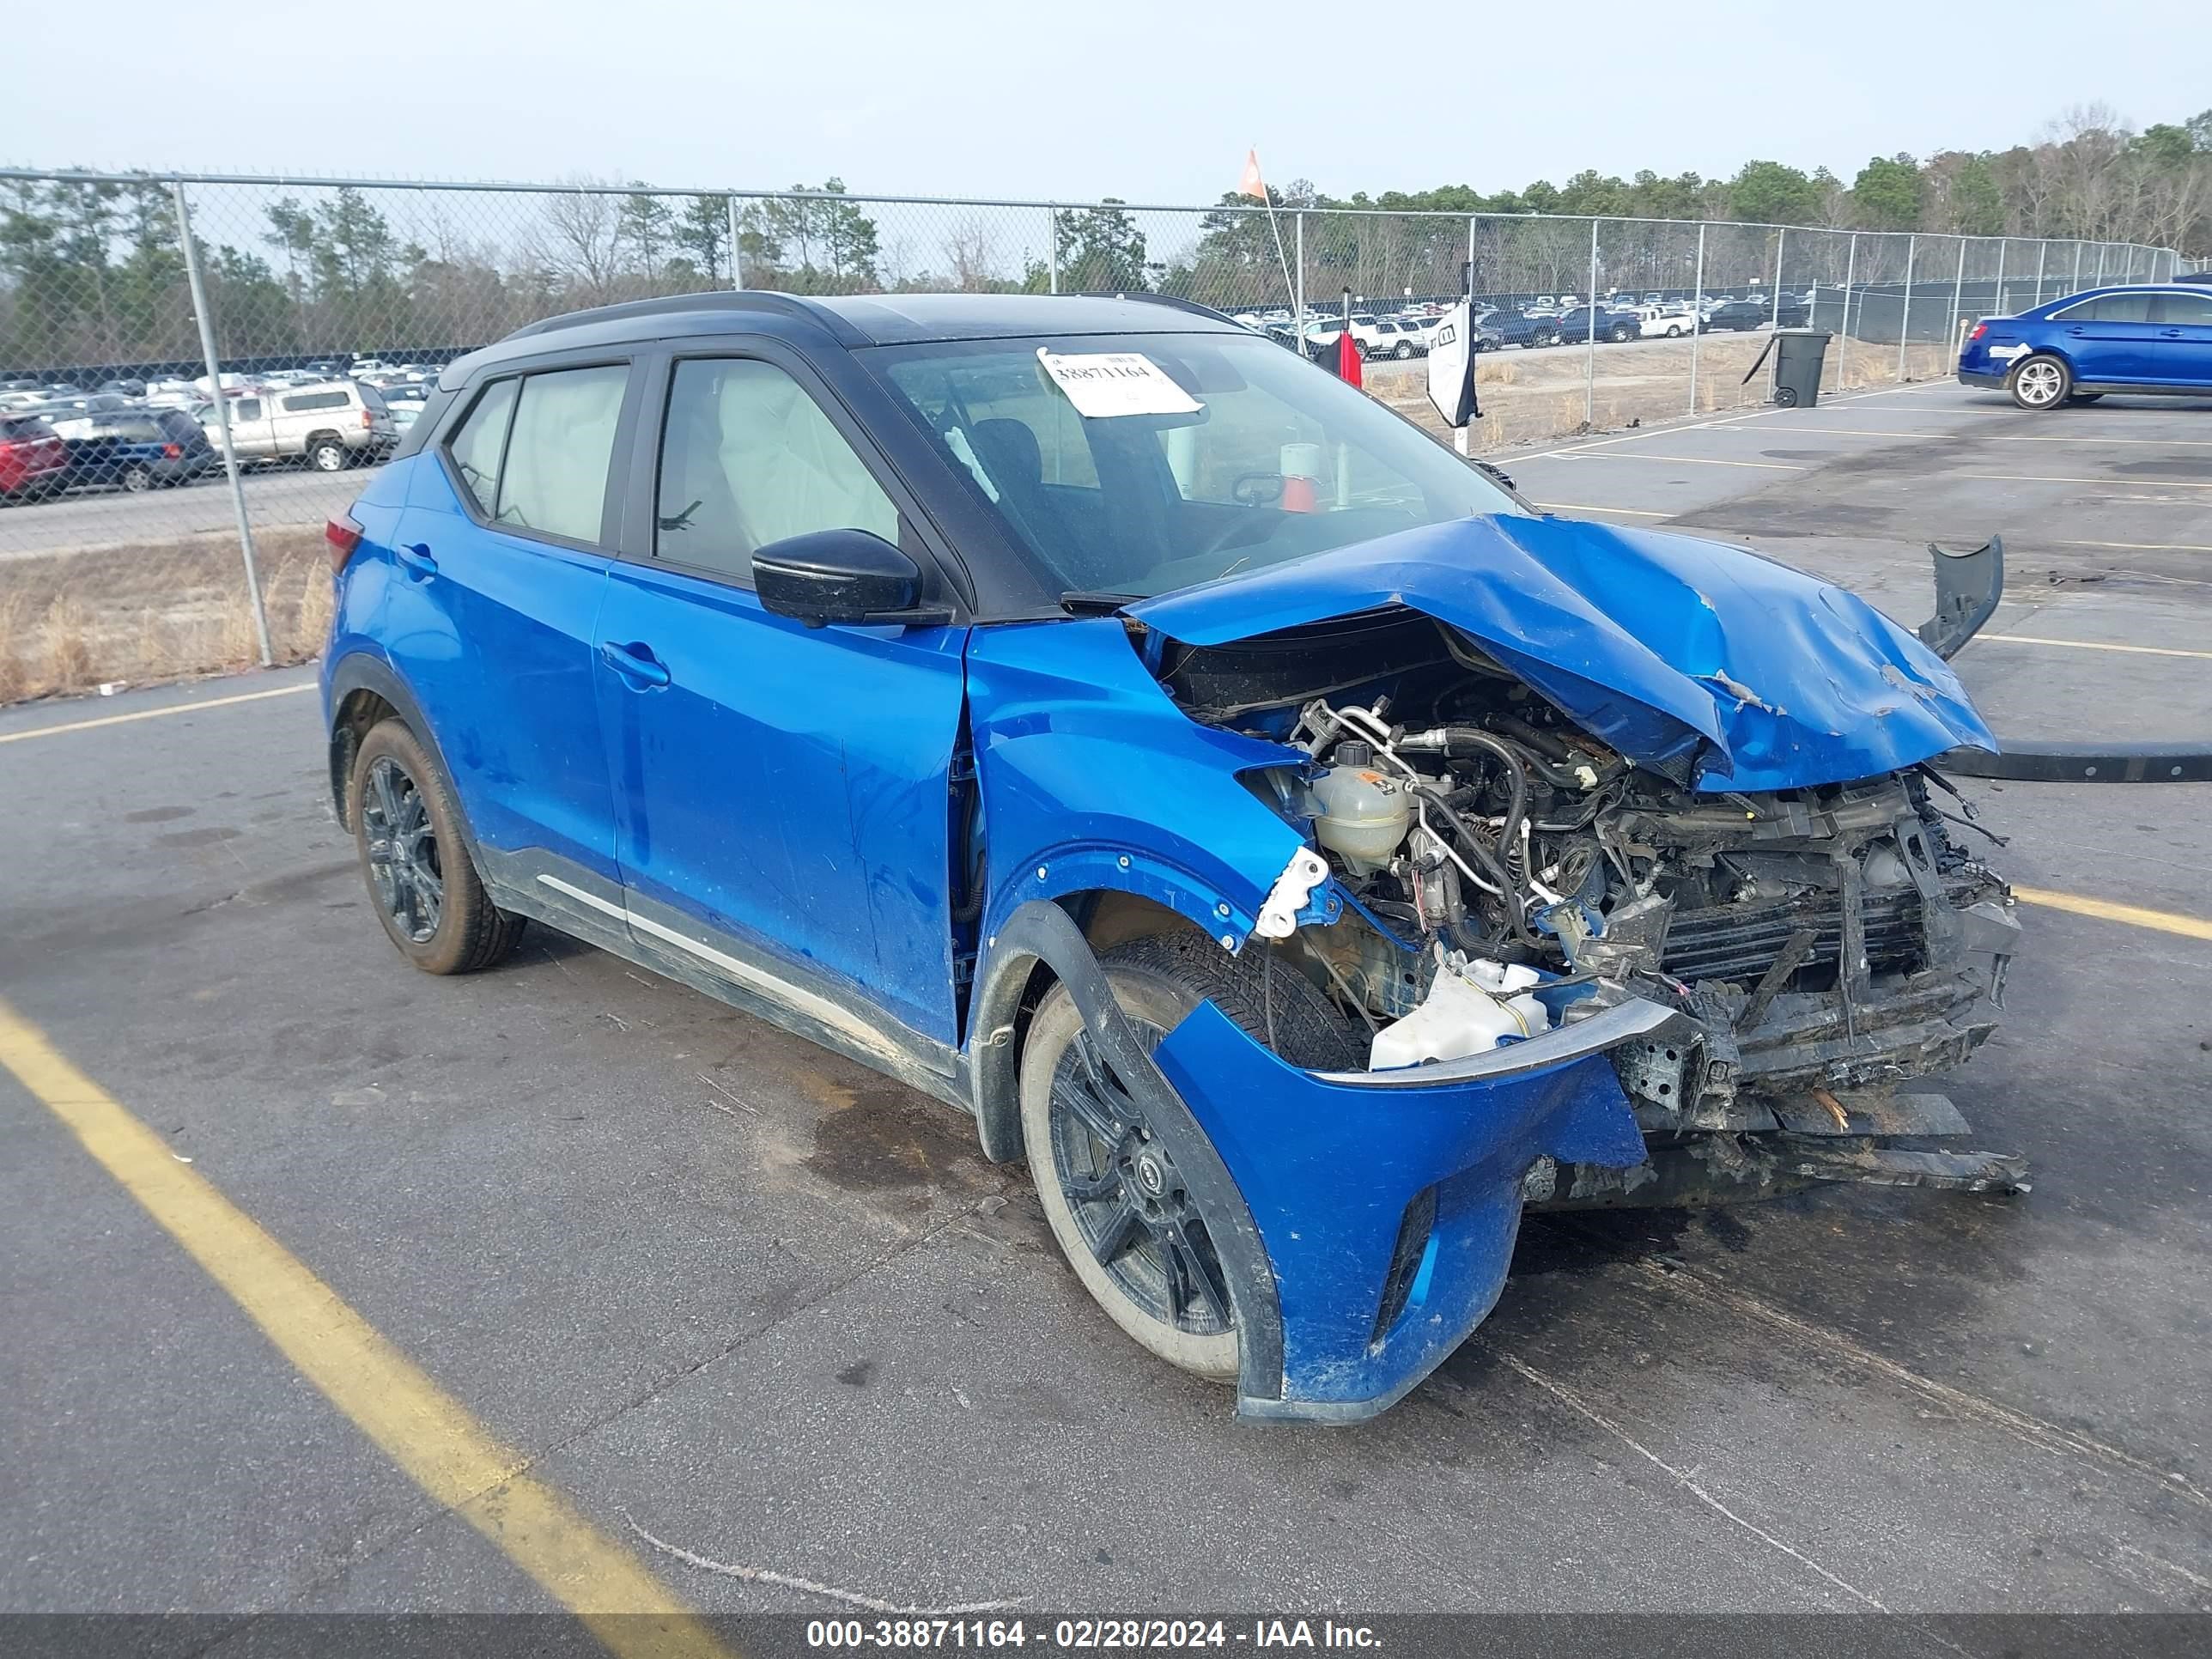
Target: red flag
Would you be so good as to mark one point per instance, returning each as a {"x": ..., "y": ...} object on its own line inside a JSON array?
[
  {"x": 1249, "y": 184},
  {"x": 1347, "y": 358}
]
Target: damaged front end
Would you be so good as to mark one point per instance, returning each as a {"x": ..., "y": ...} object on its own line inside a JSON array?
[{"x": 1619, "y": 860}]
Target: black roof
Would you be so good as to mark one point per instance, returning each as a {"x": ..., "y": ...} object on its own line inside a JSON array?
[{"x": 863, "y": 319}]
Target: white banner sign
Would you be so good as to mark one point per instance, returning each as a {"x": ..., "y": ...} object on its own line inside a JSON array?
[{"x": 1451, "y": 365}]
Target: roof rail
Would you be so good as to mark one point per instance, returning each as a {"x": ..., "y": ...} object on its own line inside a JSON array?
[
  {"x": 757, "y": 299},
  {"x": 1180, "y": 304}
]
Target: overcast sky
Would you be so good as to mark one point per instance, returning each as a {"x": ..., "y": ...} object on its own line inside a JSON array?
[{"x": 1145, "y": 101}]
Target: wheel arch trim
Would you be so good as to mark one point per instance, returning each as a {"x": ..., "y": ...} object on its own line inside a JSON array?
[{"x": 1041, "y": 931}]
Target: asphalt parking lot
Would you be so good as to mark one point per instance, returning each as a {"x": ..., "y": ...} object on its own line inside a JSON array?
[{"x": 711, "y": 1285}]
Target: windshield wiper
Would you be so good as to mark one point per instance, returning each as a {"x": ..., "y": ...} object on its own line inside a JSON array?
[{"x": 1083, "y": 603}]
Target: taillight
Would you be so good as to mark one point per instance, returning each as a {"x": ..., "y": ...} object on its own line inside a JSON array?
[
  {"x": 367, "y": 419},
  {"x": 344, "y": 535},
  {"x": 1980, "y": 329},
  {"x": 174, "y": 452}
]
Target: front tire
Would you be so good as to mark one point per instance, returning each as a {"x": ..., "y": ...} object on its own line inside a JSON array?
[
  {"x": 1127, "y": 1221},
  {"x": 415, "y": 862},
  {"x": 2041, "y": 382},
  {"x": 1402, "y": 350}
]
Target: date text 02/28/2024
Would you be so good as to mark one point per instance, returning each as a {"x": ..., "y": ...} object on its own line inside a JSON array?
[{"x": 1083, "y": 1635}]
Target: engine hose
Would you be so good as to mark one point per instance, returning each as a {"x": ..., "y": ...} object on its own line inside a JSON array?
[
  {"x": 1460, "y": 929},
  {"x": 1464, "y": 742},
  {"x": 1509, "y": 886},
  {"x": 1546, "y": 748}
]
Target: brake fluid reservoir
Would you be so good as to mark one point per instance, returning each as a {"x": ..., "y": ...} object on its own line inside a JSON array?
[{"x": 1361, "y": 814}]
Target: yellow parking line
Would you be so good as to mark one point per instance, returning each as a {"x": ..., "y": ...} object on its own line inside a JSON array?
[
  {"x": 2095, "y": 645},
  {"x": 152, "y": 714},
  {"x": 1571, "y": 507},
  {"x": 430, "y": 1435},
  {"x": 2164, "y": 921}
]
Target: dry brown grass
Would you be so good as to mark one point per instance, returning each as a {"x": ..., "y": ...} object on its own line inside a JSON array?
[
  {"x": 71, "y": 622},
  {"x": 1535, "y": 397}
]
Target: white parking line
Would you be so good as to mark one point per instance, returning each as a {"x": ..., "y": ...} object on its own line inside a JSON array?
[
  {"x": 2046, "y": 478},
  {"x": 1698, "y": 460},
  {"x": 2144, "y": 547},
  {"x": 2095, "y": 645},
  {"x": 1997, "y": 437},
  {"x": 151, "y": 714}
]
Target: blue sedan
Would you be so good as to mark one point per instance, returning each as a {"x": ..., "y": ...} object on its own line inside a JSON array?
[{"x": 2151, "y": 339}]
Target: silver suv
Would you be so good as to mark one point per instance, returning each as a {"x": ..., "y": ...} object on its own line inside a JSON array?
[{"x": 331, "y": 425}]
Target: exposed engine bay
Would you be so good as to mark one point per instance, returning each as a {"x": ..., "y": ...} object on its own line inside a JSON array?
[{"x": 1506, "y": 872}]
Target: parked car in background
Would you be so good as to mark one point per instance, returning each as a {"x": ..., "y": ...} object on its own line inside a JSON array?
[
  {"x": 1610, "y": 324},
  {"x": 363, "y": 366},
  {"x": 1737, "y": 314},
  {"x": 1520, "y": 328},
  {"x": 331, "y": 425},
  {"x": 2142, "y": 339},
  {"x": 137, "y": 447},
  {"x": 33, "y": 461}
]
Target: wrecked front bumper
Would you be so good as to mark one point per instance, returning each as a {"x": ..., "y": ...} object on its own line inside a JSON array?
[{"x": 1385, "y": 1205}]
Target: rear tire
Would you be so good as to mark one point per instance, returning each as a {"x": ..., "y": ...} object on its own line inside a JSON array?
[
  {"x": 1621, "y": 334},
  {"x": 326, "y": 454},
  {"x": 1135, "y": 1235},
  {"x": 2040, "y": 383},
  {"x": 415, "y": 861},
  {"x": 137, "y": 480}
]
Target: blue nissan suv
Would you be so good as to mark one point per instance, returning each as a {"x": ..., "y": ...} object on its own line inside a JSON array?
[
  {"x": 2074, "y": 351},
  {"x": 1306, "y": 854}
]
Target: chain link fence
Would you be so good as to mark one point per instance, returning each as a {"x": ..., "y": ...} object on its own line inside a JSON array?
[{"x": 193, "y": 368}]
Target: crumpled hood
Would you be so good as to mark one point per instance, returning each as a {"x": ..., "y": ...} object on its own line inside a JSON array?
[{"x": 1651, "y": 642}]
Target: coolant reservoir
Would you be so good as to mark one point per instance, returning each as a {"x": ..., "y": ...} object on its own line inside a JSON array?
[
  {"x": 1361, "y": 814},
  {"x": 1467, "y": 1011}
]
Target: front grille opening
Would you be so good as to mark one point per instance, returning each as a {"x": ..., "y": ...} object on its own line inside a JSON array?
[
  {"x": 1411, "y": 1258},
  {"x": 1740, "y": 941}
]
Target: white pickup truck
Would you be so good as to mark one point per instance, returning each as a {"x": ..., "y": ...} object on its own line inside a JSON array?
[{"x": 1665, "y": 322}]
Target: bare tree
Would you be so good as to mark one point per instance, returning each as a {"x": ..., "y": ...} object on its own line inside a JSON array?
[{"x": 582, "y": 238}]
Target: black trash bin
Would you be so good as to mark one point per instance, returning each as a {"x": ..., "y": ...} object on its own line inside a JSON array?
[{"x": 1798, "y": 355}]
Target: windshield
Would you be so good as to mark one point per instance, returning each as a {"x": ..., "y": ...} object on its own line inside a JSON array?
[{"x": 1280, "y": 460}]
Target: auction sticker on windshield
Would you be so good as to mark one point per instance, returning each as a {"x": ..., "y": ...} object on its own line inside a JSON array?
[{"x": 1107, "y": 383}]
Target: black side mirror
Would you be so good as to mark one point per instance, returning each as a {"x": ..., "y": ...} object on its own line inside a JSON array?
[{"x": 837, "y": 576}]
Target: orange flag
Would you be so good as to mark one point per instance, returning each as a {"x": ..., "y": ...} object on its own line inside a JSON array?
[{"x": 1249, "y": 184}]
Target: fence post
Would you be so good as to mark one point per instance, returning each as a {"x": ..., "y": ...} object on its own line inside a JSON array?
[
  {"x": 1697, "y": 324},
  {"x": 1780, "y": 231},
  {"x": 1470, "y": 261},
  {"x": 223, "y": 421},
  {"x": 1299, "y": 287},
  {"x": 1052, "y": 242},
  {"x": 737, "y": 269},
  {"x": 1958, "y": 297},
  {"x": 2042, "y": 259},
  {"x": 1589, "y": 346},
  {"x": 1844, "y": 333},
  {"x": 2100, "y": 282},
  {"x": 1905, "y": 309},
  {"x": 2005, "y": 250}
]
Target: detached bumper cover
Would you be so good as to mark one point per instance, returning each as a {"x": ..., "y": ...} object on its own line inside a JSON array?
[{"x": 1339, "y": 1172}]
